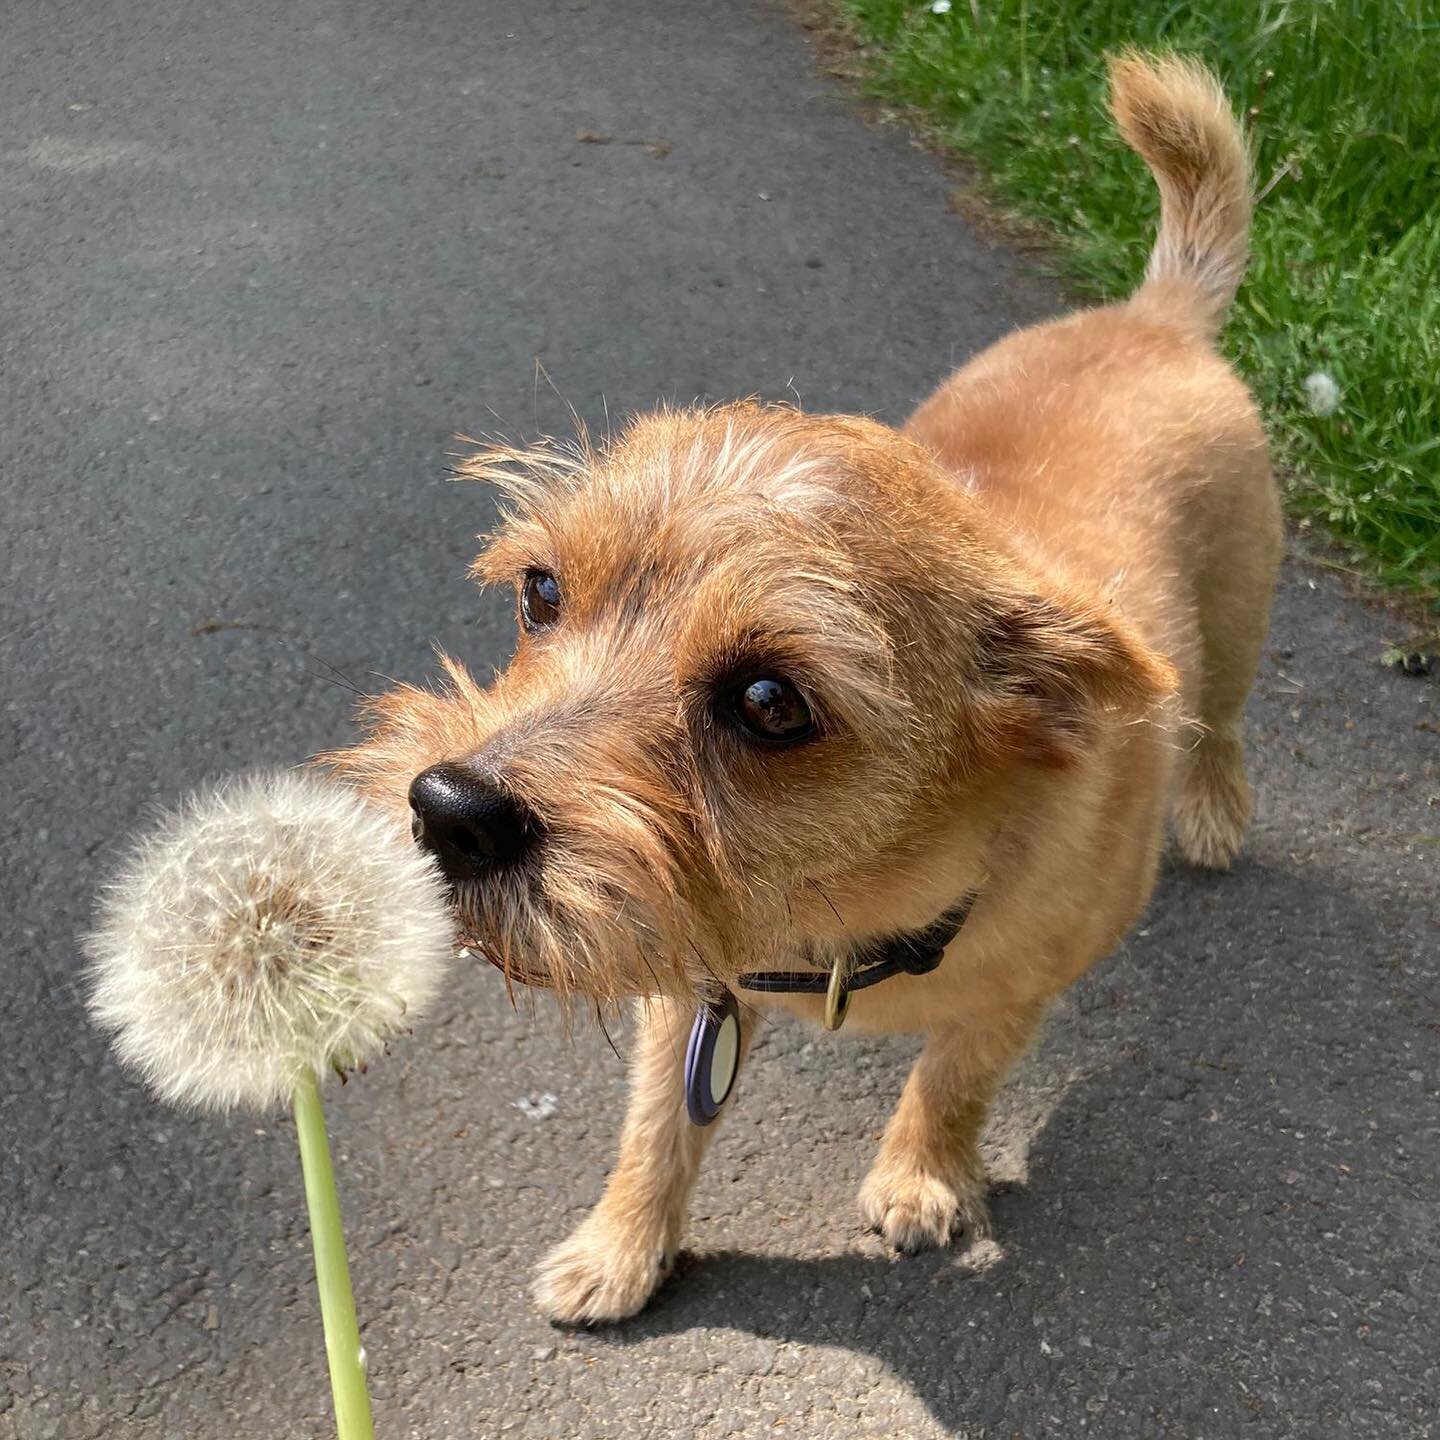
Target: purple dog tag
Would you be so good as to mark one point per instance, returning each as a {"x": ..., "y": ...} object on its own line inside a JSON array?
[{"x": 712, "y": 1059}]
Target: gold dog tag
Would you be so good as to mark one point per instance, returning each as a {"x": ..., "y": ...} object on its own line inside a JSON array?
[{"x": 837, "y": 995}]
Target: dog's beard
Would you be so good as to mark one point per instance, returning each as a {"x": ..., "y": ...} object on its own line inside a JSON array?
[
  {"x": 601, "y": 949},
  {"x": 580, "y": 929}
]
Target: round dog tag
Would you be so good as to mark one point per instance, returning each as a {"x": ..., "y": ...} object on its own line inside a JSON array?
[{"x": 712, "y": 1058}]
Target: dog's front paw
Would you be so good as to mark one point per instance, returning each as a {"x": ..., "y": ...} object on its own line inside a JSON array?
[
  {"x": 915, "y": 1210},
  {"x": 600, "y": 1274}
]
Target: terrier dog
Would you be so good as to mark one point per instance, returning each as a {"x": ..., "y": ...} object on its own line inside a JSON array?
[{"x": 791, "y": 687}]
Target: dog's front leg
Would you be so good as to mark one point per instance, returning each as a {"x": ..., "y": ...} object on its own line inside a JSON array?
[
  {"x": 622, "y": 1250},
  {"x": 928, "y": 1181}
]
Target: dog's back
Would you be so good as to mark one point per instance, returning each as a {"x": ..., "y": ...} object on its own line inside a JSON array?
[{"x": 1125, "y": 454}]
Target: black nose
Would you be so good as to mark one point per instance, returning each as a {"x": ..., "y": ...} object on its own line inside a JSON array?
[{"x": 468, "y": 821}]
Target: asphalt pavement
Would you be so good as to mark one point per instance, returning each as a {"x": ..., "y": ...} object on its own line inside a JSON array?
[{"x": 259, "y": 262}]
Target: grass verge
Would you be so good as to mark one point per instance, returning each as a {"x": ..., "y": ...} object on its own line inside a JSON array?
[{"x": 1343, "y": 103}]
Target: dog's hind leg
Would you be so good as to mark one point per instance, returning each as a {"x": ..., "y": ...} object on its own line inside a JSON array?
[
  {"x": 1212, "y": 800},
  {"x": 622, "y": 1251},
  {"x": 928, "y": 1181},
  {"x": 1212, "y": 807}
]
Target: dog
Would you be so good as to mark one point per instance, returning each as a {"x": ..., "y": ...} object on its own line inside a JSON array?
[{"x": 792, "y": 687}]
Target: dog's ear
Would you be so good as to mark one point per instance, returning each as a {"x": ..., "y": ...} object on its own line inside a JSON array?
[{"x": 1055, "y": 663}]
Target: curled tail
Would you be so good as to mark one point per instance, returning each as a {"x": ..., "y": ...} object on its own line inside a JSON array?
[{"x": 1172, "y": 112}]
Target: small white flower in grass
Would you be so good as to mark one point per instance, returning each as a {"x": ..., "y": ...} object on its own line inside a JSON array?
[
  {"x": 940, "y": 7},
  {"x": 271, "y": 927},
  {"x": 1322, "y": 394}
]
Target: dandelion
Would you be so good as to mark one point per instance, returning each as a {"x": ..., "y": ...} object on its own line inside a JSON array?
[
  {"x": 272, "y": 930},
  {"x": 940, "y": 7},
  {"x": 1322, "y": 394}
]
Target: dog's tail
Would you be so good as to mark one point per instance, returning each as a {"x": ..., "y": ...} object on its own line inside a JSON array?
[{"x": 1172, "y": 112}]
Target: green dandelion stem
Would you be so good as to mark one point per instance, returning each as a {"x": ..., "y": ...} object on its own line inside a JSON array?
[{"x": 332, "y": 1272}]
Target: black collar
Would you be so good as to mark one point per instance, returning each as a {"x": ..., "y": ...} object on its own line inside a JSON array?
[
  {"x": 915, "y": 952},
  {"x": 712, "y": 1059}
]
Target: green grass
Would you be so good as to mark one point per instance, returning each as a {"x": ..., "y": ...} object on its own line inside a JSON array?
[{"x": 1343, "y": 98}]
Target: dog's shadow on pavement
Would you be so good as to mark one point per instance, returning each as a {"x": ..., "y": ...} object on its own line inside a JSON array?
[
  {"x": 916, "y": 1319},
  {"x": 960, "y": 1329},
  {"x": 1173, "y": 1190}
]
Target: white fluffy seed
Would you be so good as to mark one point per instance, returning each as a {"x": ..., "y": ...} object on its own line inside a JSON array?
[
  {"x": 1322, "y": 394},
  {"x": 270, "y": 925}
]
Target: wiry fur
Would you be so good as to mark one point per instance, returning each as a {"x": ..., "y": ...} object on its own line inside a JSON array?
[
  {"x": 1026, "y": 626},
  {"x": 270, "y": 926}
]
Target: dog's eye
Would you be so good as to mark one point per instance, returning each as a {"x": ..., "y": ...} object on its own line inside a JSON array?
[
  {"x": 773, "y": 710},
  {"x": 539, "y": 599}
]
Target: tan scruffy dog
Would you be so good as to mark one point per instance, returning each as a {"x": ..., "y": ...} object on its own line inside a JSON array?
[{"x": 791, "y": 686}]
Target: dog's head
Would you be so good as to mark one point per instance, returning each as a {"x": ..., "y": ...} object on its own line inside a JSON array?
[{"x": 774, "y": 675}]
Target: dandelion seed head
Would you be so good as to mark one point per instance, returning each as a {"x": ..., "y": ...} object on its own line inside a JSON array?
[
  {"x": 1322, "y": 394},
  {"x": 270, "y": 925},
  {"x": 940, "y": 7}
]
